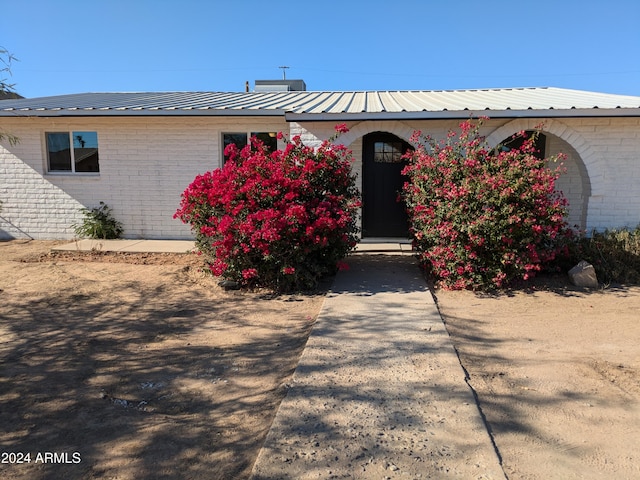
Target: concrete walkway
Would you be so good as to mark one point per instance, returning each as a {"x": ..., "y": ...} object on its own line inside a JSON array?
[
  {"x": 379, "y": 391},
  {"x": 184, "y": 246}
]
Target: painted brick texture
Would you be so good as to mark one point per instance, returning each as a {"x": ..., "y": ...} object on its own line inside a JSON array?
[
  {"x": 602, "y": 178},
  {"x": 146, "y": 163}
]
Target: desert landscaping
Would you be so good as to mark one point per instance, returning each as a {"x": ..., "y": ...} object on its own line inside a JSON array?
[
  {"x": 556, "y": 370},
  {"x": 139, "y": 363},
  {"x": 139, "y": 366}
]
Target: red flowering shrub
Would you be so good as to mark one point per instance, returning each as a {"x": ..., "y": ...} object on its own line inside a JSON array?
[
  {"x": 281, "y": 220},
  {"x": 481, "y": 217}
]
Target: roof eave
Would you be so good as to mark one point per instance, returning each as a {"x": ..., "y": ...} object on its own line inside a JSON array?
[
  {"x": 340, "y": 116},
  {"x": 464, "y": 114},
  {"x": 143, "y": 113}
]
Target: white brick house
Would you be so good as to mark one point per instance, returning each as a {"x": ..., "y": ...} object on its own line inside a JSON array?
[{"x": 137, "y": 152}]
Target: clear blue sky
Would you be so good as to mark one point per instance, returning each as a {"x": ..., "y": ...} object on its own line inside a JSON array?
[{"x": 73, "y": 46}]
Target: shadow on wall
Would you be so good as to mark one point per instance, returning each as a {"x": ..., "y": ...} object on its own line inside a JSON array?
[
  {"x": 35, "y": 207},
  {"x": 45, "y": 206}
]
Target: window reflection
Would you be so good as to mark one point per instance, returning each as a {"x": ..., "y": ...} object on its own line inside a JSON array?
[
  {"x": 387, "y": 152},
  {"x": 85, "y": 151},
  {"x": 241, "y": 140},
  {"x": 59, "y": 151}
]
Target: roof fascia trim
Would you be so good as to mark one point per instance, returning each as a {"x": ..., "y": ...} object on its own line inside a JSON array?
[
  {"x": 320, "y": 117},
  {"x": 463, "y": 114},
  {"x": 142, "y": 113}
]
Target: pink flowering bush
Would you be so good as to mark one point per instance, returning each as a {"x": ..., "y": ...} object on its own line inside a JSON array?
[
  {"x": 482, "y": 218},
  {"x": 281, "y": 220}
]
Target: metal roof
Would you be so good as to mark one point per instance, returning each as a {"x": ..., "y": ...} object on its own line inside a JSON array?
[{"x": 308, "y": 105}]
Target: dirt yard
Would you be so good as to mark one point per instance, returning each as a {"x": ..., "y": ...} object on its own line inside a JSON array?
[
  {"x": 557, "y": 373},
  {"x": 138, "y": 366}
]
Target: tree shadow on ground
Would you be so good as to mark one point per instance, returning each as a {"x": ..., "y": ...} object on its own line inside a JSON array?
[
  {"x": 378, "y": 389},
  {"x": 141, "y": 389},
  {"x": 535, "y": 393}
]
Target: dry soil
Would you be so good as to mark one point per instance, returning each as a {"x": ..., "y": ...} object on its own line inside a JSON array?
[
  {"x": 556, "y": 370},
  {"x": 138, "y": 366}
]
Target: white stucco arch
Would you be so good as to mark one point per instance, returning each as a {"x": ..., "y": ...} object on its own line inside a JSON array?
[
  {"x": 359, "y": 130},
  {"x": 581, "y": 162},
  {"x": 588, "y": 156}
]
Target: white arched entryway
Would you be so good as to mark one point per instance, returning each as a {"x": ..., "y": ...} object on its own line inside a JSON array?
[
  {"x": 575, "y": 182},
  {"x": 359, "y": 130},
  {"x": 377, "y": 182}
]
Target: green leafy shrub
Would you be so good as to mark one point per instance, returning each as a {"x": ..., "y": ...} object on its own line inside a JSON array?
[
  {"x": 482, "y": 218},
  {"x": 281, "y": 220},
  {"x": 98, "y": 223},
  {"x": 615, "y": 254}
]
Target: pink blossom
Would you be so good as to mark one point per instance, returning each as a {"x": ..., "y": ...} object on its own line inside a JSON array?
[
  {"x": 480, "y": 217},
  {"x": 249, "y": 273}
]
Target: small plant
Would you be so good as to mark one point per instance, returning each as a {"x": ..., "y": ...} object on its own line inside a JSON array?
[{"x": 98, "y": 223}]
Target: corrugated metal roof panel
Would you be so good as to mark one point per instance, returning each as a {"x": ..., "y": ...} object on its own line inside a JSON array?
[{"x": 308, "y": 104}]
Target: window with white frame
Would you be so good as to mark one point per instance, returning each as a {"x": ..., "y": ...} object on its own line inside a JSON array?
[
  {"x": 72, "y": 152},
  {"x": 241, "y": 140}
]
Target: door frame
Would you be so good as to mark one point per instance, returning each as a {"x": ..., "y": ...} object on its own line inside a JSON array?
[{"x": 378, "y": 180}]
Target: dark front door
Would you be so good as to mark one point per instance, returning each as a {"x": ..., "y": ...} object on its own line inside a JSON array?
[{"x": 382, "y": 180}]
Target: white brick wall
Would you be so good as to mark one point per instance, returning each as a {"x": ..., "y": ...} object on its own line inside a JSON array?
[
  {"x": 608, "y": 150},
  {"x": 602, "y": 181},
  {"x": 146, "y": 163}
]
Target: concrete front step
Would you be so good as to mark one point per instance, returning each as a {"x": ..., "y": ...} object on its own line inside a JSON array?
[{"x": 389, "y": 246}]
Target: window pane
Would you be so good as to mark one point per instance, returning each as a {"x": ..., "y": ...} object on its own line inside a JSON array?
[
  {"x": 239, "y": 139},
  {"x": 59, "y": 152},
  {"x": 397, "y": 152},
  {"x": 268, "y": 138},
  {"x": 85, "y": 151},
  {"x": 385, "y": 152}
]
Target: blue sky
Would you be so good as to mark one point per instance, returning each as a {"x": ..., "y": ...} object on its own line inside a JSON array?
[{"x": 74, "y": 46}]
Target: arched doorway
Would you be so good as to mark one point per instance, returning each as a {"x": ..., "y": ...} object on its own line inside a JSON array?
[
  {"x": 573, "y": 182},
  {"x": 382, "y": 214}
]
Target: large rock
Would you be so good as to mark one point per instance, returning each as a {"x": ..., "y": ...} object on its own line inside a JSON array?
[{"x": 583, "y": 275}]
